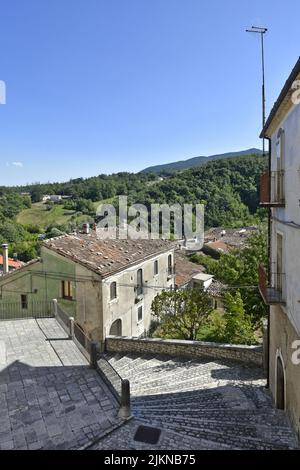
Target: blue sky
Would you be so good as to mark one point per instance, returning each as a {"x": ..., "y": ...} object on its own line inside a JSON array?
[{"x": 100, "y": 86}]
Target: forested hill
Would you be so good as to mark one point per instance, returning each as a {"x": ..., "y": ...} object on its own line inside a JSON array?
[
  {"x": 169, "y": 168},
  {"x": 229, "y": 188}
]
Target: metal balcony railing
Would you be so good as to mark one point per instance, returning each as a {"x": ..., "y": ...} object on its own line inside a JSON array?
[
  {"x": 26, "y": 309},
  {"x": 272, "y": 290},
  {"x": 272, "y": 191}
]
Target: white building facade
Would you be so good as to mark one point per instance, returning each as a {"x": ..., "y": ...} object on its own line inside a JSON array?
[{"x": 280, "y": 287}]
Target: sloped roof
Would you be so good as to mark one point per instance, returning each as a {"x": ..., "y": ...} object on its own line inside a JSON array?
[
  {"x": 106, "y": 257},
  {"x": 22, "y": 268},
  {"x": 185, "y": 269},
  {"x": 285, "y": 94},
  {"x": 12, "y": 263}
]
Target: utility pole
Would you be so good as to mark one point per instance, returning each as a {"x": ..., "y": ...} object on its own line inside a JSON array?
[{"x": 262, "y": 32}]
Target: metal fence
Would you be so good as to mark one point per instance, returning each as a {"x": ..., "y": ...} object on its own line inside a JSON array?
[{"x": 27, "y": 309}]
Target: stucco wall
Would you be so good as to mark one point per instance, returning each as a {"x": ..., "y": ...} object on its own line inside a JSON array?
[
  {"x": 240, "y": 353},
  {"x": 89, "y": 302},
  {"x": 124, "y": 307},
  {"x": 40, "y": 281},
  {"x": 282, "y": 336},
  {"x": 289, "y": 213},
  {"x": 285, "y": 319}
]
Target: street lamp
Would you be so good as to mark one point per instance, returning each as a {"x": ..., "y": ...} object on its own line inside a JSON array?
[{"x": 261, "y": 31}]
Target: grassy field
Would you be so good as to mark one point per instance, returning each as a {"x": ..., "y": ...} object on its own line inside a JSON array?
[
  {"x": 110, "y": 200},
  {"x": 39, "y": 215}
]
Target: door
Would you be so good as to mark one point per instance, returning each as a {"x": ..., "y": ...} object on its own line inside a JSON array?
[
  {"x": 280, "y": 385},
  {"x": 116, "y": 328}
]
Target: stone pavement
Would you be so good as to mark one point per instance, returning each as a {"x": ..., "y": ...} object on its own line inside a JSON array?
[
  {"x": 49, "y": 397},
  {"x": 198, "y": 404}
]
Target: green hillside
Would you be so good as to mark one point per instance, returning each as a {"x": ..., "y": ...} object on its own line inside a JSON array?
[
  {"x": 40, "y": 216},
  {"x": 170, "y": 168}
]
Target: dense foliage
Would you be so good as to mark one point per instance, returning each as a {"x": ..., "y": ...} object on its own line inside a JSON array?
[
  {"x": 181, "y": 313},
  {"x": 228, "y": 188},
  {"x": 239, "y": 271}
]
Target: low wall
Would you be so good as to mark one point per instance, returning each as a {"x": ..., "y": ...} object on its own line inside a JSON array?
[{"x": 241, "y": 353}]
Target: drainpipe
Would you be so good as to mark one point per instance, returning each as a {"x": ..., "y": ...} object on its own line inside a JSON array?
[{"x": 5, "y": 258}]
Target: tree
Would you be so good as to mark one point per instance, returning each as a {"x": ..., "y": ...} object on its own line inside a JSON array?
[
  {"x": 36, "y": 194},
  {"x": 238, "y": 327},
  {"x": 240, "y": 268},
  {"x": 181, "y": 313}
]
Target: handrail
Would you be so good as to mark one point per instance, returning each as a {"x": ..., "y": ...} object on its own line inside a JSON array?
[{"x": 27, "y": 309}]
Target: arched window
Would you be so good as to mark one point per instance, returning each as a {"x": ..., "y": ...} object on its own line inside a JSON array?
[
  {"x": 139, "y": 288},
  {"x": 113, "y": 290},
  {"x": 155, "y": 267}
]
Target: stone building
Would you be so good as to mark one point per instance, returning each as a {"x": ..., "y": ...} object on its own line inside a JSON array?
[
  {"x": 107, "y": 285},
  {"x": 280, "y": 188}
]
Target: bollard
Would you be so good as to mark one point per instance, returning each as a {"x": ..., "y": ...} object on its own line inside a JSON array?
[
  {"x": 93, "y": 355},
  {"x": 54, "y": 302},
  {"x": 71, "y": 327},
  {"x": 124, "y": 411}
]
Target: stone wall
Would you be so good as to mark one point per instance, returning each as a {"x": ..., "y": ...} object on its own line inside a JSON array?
[{"x": 241, "y": 353}]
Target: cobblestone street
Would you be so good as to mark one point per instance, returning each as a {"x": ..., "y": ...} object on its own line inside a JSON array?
[
  {"x": 49, "y": 396},
  {"x": 199, "y": 404},
  {"x": 51, "y": 399}
]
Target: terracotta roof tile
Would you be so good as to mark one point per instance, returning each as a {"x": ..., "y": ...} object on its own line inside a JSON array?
[
  {"x": 185, "y": 269},
  {"x": 105, "y": 256}
]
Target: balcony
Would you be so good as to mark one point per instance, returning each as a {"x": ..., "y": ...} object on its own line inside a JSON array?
[
  {"x": 272, "y": 189},
  {"x": 272, "y": 291}
]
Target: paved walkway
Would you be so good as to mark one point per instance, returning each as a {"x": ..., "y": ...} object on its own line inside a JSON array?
[
  {"x": 198, "y": 404},
  {"x": 49, "y": 397}
]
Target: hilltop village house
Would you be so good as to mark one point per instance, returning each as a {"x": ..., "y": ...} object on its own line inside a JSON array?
[
  {"x": 8, "y": 264},
  {"x": 192, "y": 275},
  {"x": 280, "y": 286},
  {"x": 107, "y": 285}
]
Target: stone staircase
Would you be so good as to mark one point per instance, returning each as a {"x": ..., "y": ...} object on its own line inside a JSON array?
[{"x": 221, "y": 404}]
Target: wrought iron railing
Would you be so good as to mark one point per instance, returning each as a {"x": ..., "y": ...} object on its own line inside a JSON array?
[
  {"x": 26, "y": 309},
  {"x": 272, "y": 288},
  {"x": 272, "y": 190}
]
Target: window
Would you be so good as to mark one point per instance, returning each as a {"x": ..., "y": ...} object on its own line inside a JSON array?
[
  {"x": 170, "y": 270},
  {"x": 140, "y": 314},
  {"x": 279, "y": 182},
  {"x": 139, "y": 289},
  {"x": 113, "y": 290},
  {"x": 24, "y": 301},
  {"x": 66, "y": 289},
  {"x": 155, "y": 267}
]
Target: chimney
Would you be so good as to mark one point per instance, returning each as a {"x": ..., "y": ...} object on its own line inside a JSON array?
[
  {"x": 5, "y": 258},
  {"x": 86, "y": 228},
  {"x": 15, "y": 256}
]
